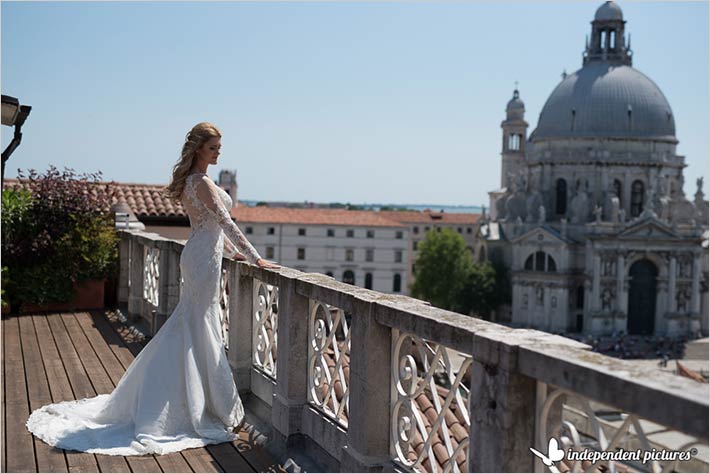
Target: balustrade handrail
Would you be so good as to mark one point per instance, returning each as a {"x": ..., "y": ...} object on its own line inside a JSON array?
[{"x": 660, "y": 397}]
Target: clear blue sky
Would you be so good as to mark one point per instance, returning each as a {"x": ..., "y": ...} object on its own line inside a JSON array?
[{"x": 353, "y": 102}]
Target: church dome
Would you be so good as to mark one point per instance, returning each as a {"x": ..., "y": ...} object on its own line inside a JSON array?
[
  {"x": 608, "y": 11},
  {"x": 607, "y": 101}
]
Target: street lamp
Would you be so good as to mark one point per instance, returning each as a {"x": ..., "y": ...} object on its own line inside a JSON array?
[{"x": 13, "y": 114}]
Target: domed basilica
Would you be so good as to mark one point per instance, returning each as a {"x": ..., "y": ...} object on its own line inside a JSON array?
[{"x": 591, "y": 217}]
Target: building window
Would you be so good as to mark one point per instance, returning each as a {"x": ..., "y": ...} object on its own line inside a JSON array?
[
  {"x": 369, "y": 255},
  {"x": 459, "y": 230},
  {"x": 349, "y": 233},
  {"x": 561, "y": 197},
  {"x": 270, "y": 231},
  {"x": 415, "y": 244},
  {"x": 301, "y": 254},
  {"x": 330, "y": 232},
  {"x": 514, "y": 141},
  {"x": 349, "y": 255},
  {"x": 302, "y": 231},
  {"x": 415, "y": 230},
  {"x": 469, "y": 230},
  {"x": 637, "y": 192},
  {"x": 540, "y": 262},
  {"x": 349, "y": 277},
  {"x": 426, "y": 229},
  {"x": 269, "y": 252},
  {"x": 368, "y": 281},
  {"x": 397, "y": 283},
  {"x": 414, "y": 269},
  {"x": 370, "y": 234},
  {"x": 398, "y": 234},
  {"x": 398, "y": 256},
  {"x": 249, "y": 230}
]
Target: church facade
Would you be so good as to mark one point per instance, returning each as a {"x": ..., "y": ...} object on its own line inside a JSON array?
[{"x": 591, "y": 216}]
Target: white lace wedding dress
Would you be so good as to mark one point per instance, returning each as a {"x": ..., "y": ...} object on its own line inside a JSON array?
[{"x": 179, "y": 392}]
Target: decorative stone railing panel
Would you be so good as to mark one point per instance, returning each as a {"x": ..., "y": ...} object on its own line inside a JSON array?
[
  {"x": 329, "y": 361},
  {"x": 430, "y": 414},
  {"x": 266, "y": 320}
]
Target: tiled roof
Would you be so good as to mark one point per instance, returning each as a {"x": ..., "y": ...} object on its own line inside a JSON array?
[
  {"x": 283, "y": 215},
  {"x": 431, "y": 217},
  {"x": 145, "y": 200}
]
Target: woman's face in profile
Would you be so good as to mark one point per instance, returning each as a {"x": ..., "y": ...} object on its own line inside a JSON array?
[{"x": 209, "y": 152}]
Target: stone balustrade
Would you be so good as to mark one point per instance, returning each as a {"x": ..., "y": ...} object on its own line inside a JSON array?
[{"x": 365, "y": 381}]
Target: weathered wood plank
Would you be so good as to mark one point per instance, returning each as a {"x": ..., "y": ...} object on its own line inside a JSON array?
[
  {"x": 229, "y": 458},
  {"x": 20, "y": 447},
  {"x": 78, "y": 379},
  {"x": 92, "y": 365},
  {"x": 173, "y": 462},
  {"x": 79, "y": 382},
  {"x": 112, "y": 463},
  {"x": 143, "y": 464},
  {"x": 109, "y": 335},
  {"x": 201, "y": 460},
  {"x": 48, "y": 459}
]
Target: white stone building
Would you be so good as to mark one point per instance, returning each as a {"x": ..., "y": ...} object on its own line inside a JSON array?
[
  {"x": 363, "y": 248},
  {"x": 591, "y": 217}
]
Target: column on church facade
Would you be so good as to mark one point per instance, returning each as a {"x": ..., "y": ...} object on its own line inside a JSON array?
[
  {"x": 596, "y": 283},
  {"x": 620, "y": 295},
  {"x": 695, "y": 289},
  {"x": 672, "y": 302}
]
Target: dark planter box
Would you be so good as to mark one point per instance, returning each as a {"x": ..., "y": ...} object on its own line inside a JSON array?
[{"x": 89, "y": 295}]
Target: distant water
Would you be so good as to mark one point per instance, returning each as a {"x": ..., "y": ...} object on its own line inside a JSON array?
[{"x": 377, "y": 207}]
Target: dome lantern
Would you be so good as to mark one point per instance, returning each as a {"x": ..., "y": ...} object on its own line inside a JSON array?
[{"x": 607, "y": 43}]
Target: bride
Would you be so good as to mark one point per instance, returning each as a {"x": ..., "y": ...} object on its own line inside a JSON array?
[{"x": 178, "y": 392}]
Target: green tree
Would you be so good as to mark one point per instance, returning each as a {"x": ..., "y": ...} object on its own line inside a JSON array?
[
  {"x": 443, "y": 268},
  {"x": 480, "y": 295}
]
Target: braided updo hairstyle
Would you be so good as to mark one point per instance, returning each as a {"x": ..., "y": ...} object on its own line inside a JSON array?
[{"x": 194, "y": 140}]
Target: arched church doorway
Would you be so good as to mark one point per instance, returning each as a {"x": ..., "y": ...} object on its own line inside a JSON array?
[{"x": 642, "y": 297}]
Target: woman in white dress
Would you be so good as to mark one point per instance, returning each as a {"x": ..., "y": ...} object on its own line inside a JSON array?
[{"x": 179, "y": 392}]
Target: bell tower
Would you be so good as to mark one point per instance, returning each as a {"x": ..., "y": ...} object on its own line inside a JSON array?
[
  {"x": 515, "y": 132},
  {"x": 228, "y": 181}
]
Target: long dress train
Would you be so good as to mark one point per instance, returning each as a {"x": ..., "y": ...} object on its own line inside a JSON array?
[{"x": 178, "y": 392}]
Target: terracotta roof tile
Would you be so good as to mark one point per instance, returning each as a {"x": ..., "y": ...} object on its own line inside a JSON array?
[
  {"x": 145, "y": 200},
  {"x": 283, "y": 215}
]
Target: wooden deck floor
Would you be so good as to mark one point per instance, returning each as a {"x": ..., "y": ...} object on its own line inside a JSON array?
[{"x": 66, "y": 356}]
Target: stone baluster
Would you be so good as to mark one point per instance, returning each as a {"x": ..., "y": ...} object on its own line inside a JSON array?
[
  {"x": 502, "y": 409},
  {"x": 124, "y": 256},
  {"x": 291, "y": 391},
  {"x": 368, "y": 449},
  {"x": 168, "y": 281},
  {"x": 241, "y": 320},
  {"x": 135, "y": 291}
]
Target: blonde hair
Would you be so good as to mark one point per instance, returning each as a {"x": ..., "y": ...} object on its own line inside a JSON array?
[{"x": 194, "y": 140}]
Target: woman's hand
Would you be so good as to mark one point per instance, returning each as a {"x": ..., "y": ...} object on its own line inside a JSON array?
[{"x": 266, "y": 264}]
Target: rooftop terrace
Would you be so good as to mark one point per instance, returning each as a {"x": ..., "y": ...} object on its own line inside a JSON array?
[{"x": 355, "y": 380}]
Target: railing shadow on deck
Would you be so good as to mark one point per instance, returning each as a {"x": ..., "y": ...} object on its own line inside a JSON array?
[{"x": 365, "y": 381}]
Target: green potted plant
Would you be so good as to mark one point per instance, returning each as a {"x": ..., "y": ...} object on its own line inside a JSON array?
[{"x": 59, "y": 243}]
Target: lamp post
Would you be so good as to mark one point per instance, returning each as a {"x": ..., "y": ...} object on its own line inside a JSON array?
[{"x": 13, "y": 114}]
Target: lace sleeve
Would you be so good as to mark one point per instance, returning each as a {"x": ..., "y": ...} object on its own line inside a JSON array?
[{"x": 213, "y": 204}]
